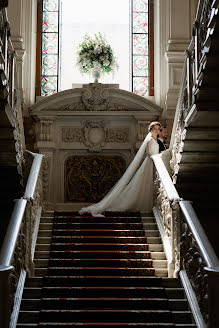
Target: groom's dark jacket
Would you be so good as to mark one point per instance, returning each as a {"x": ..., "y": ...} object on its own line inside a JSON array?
[{"x": 162, "y": 145}]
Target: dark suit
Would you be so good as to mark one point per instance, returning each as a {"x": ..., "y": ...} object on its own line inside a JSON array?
[{"x": 162, "y": 145}]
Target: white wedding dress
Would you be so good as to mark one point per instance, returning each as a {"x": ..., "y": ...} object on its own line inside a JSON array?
[{"x": 134, "y": 190}]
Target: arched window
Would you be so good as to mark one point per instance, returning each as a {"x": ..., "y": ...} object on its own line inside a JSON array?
[{"x": 128, "y": 26}]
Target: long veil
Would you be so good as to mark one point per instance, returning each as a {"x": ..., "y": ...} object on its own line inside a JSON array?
[{"x": 105, "y": 203}]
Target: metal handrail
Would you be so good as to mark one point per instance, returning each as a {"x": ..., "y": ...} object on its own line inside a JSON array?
[
  {"x": 191, "y": 218},
  {"x": 11, "y": 237}
]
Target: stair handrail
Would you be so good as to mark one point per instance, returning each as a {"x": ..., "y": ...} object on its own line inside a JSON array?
[
  {"x": 13, "y": 238},
  {"x": 10, "y": 240},
  {"x": 200, "y": 236},
  {"x": 186, "y": 241}
]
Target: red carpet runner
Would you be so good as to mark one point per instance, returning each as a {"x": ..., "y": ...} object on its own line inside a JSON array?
[{"x": 101, "y": 274}]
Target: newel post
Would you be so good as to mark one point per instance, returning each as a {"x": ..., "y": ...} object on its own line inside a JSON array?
[
  {"x": 5, "y": 301},
  {"x": 213, "y": 296}
]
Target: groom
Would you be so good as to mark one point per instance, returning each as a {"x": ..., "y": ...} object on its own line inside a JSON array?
[{"x": 162, "y": 138}]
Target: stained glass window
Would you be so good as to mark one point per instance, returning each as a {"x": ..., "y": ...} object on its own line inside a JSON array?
[
  {"x": 50, "y": 51},
  {"x": 140, "y": 51},
  {"x": 51, "y": 59}
]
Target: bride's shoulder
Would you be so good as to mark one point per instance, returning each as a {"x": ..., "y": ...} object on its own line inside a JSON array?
[{"x": 151, "y": 140}]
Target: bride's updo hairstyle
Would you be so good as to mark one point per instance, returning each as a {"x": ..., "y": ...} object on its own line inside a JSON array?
[{"x": 152, "y": 125}]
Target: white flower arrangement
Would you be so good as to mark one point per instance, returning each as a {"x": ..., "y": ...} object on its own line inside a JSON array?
[{"x": 96, "y": 53}]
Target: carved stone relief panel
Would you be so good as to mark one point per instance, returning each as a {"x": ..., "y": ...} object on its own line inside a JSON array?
[
  {"x": 45, "y": 177},
  {"x": 95, "y": 97},
  {"x": 89, "y": 178},
  {"x": 142, "y": 129},
  {"x": 72, "y": 135},
  {"x": 44, "y": 130},
  {"x": 95, "y": 135}
]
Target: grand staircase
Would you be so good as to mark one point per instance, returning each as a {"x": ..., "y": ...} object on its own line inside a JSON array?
[
  {"x": 108, "y": 271},
  {"x": 198, "y": 177}
]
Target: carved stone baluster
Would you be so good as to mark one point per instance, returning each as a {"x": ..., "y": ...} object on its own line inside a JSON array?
[{"x": 176, "y": 237}]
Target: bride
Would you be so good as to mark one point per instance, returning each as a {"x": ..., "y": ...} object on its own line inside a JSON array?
[{"x": 134, "y": 190}]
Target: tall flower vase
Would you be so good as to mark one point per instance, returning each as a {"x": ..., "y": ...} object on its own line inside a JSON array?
[
  {"x": 95, "y": 75},
  {"x": 96, "y": 70}
]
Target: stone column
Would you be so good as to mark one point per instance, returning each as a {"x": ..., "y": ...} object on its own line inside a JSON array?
[
  {"x": 15, "y": 14},
  {"x": 22, "y": 15},
  {"x": 181, "y": 14},
  {"x": 173, "y": 32}
]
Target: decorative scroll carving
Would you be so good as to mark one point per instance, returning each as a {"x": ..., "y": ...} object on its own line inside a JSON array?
[
  {"x": 45, "y": 177},
  {"x": 95, "y": 135},
  {"x": 72, "y": 135},
  {"x": 169, "y": 211},
  {"x": 117, "y": 135},
  {"x": 73, "y": 107},
  {"x": 178, "y": 146},
  {"x": 89, "y": 178},
  {"x": 193, "y": 263},
  {"x": 95, "y": 97}
]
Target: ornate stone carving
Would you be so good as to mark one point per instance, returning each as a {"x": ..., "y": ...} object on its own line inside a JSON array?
[
  {"x": 73, "y": 107},
  {"x": 119, "y": 135},
  {"x": 169, "y": 212},
  {"x": 45, "y": 130},
  {"x": 72, "y": 135},
  {"x": 193, "y": 263},
  {"x": 89, "y": 178},
  {"x": 142, "y": 129},
  {"x": 45, "y": 177},
  {"x": 178, "y": 146},
  {"x": 95, "y": 97},
  {"x": 95, "y": 135}
]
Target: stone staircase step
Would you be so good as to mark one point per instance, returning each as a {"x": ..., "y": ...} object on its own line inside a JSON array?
[
  {"x": 44, "y": 244},
  {"x": 95, "y": 239},
  {"x": 99, "y": 254},
  {"x": 107, "y": 315},
  {"x": 38, "y": 292},
  {"x": 199, "y": 157},
  {"x": 199, "y": 169},
  {"x": 158, "y": 272},
  {"x": 52, "y": 303},
  {"x": 104, "y": 281},
  {"x": 110, "y": 262},
  {"x": 97, "y": 246},
  {"x": 202, "y": 133},
  {"x": 103, "y": 324},
  {"x": 202, "y": 145},
  {"x": 96, "y": 273},
  {"x": 91, "y": 219},
  {"x": 90, "y": 232},
  {"x": 205, "y": 117},
  {"x": 99, "y": 225}
]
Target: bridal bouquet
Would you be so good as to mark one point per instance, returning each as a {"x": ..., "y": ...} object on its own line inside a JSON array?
[{"x": 96, "y": 53}]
